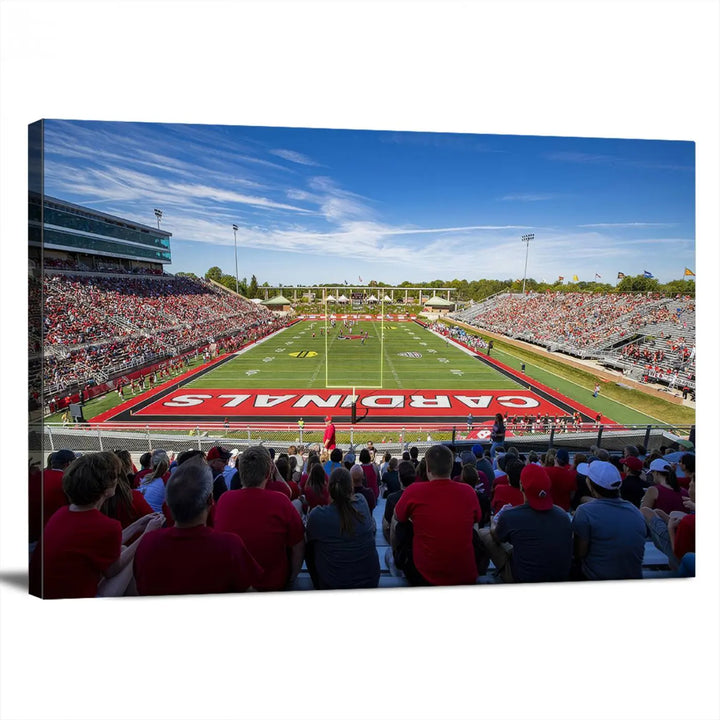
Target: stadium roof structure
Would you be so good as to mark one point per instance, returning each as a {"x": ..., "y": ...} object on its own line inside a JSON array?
[
  {"x": 439, "y": 302},
  {"x": 276, "y": 301}
]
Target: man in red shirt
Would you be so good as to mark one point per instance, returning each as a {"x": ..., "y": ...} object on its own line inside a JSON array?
[
  {"x": 45, "y": 493},
  {"x": 563, "y": 477},
  {"x": 329, "y": 435},
  {"x": 269, "y": 525},
  {"x": 191, "y": 558},
  {"x": 443, "y": 515}
]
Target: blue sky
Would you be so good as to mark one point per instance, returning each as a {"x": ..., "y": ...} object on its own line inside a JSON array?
[{"x": 334, "y": 205}]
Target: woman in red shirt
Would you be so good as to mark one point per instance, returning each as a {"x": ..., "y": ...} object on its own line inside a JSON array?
[
  {"x": 82, "y": 553},
  {"x": 126, "y": 505}
]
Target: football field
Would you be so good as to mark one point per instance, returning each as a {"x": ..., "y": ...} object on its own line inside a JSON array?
[
  {"x": 373, "y": 370},
  {"x": 394, "y": 355}
]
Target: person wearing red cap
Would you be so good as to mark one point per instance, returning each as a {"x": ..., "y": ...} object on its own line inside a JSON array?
[
  {"x": 329, "y": 435},
  {"x": 533, "y": 541},
  {"x": 633, "y": 485},
  {"x": 217, "y": 458}
]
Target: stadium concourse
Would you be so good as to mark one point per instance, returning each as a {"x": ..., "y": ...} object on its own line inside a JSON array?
[{"x": 229, "y": 521}]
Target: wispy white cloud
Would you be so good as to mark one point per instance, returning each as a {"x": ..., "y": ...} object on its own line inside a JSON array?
[{"x": 294, "y": 156}]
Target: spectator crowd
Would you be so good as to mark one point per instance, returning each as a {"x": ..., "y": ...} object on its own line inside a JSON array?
[
  {"x": 104, "y": 325},
  {"x": 231, "y": 521}
]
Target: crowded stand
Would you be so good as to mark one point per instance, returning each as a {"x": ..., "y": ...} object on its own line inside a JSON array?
[
  {"x": 101, "y": 326},
  {"x": 649, "y": 336},
  {"x": 306, "y": 518}
]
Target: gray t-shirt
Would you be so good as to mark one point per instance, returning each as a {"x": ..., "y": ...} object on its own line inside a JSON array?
[
  {"x": 343, "y": 560},
  {"x": 616, "y": 532}
]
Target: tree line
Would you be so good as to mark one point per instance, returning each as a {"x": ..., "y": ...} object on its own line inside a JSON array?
[{"x": 477, "y": 290}]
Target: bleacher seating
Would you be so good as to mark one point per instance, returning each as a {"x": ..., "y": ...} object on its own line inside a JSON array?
[
  {"x": 616, "y": 329},
  {"x": 106, "y": 325},
  {"x": 655, "y": 564}
]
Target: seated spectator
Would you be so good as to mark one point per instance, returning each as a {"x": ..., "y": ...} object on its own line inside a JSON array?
[
  {"x": 484, "y": 465},
  {"x": 422, "y": 475},
  {"x": 609, "y": 532},
  {"x": 406, "y": 474},
  {"x": 191, "y": 558},
  {"x": 341, "y": 549},
  {"x": 564, "y": 479},
  {"x": 217, "y": 458},
  {"x": 633, "y": 486},
  {"x": 45, "y": 493},
  {"x": 471, "y": 477},
  {"x": 687, "y": 469},
  {"x": 665, "y": 493},
  {"x": 152, "y": 486},
  {"x": 358, "y": 479},
  {"x": 145, "y": 460},
  {"x": 313, "y": 458},
  {"x": 285, "y": 471},
  {"x": 335, "y": 461},
  {"x": 582, "y": 492},
  {"x": 414, "y": 452},
  {"x": 266, "y": 521},
  {"x": 316, "y": 488},
  {"x": 82, "y": 553},
  {"x": 126, "y": 505},
  {"x": 533, "y": 541},
  {"x": 349, "y": 460},
  {"x": 674, "y": 533},
  {"x": 390, "y": 478},
  {"x": 372, "y": 479},
  {"x": 507, "y": 493},
  {"x": 443, "y": 515}
]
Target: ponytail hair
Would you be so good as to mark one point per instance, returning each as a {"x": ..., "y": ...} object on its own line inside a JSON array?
[
  {"x": 341, "y": 492},
  {"x": 160, "y": 463}
]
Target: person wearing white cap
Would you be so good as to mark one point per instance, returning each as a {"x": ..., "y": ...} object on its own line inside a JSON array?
[{"x": 609, "y": 532}]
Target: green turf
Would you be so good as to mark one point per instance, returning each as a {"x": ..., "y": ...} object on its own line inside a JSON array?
[{"x": 327, "y": 361}]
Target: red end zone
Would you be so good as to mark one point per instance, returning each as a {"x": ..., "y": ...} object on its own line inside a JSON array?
[{"x": 380, "y": 404}]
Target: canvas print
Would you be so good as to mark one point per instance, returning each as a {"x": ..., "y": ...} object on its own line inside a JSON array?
[{"x": 289, "y": 359}]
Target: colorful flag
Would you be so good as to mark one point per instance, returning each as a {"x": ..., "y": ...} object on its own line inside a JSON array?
[
  {"x": 575, "y": 278},
  {"x": 621, "y": 276},
  {"x": 598, "y": 276},
  {"x": 560, "y": 278},
  {"x": 647, "y": 274},
  {"x": 688, "y": 271}
]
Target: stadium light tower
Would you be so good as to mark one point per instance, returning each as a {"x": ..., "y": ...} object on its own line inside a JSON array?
[
  {"x": 526, "y": 239},
  {"x": 158, "y": 215},
  {"x": 237, "y": 284}
]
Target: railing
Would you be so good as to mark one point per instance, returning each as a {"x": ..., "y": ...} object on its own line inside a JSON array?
[{"x": 176, "y": 437}]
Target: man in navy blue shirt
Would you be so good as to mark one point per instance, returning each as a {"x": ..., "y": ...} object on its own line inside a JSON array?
[{"x": 538, "y": 531}]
